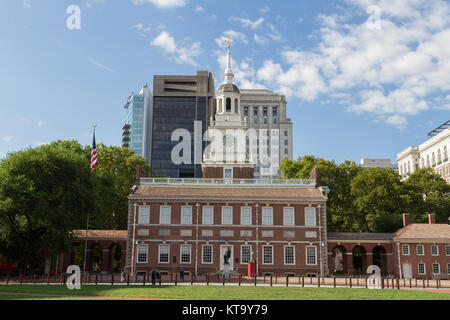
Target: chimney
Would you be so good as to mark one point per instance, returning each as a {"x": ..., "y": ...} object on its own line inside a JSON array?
[
  {"x": 405, "y": 219},
  {"x": 432, "y": 218}
]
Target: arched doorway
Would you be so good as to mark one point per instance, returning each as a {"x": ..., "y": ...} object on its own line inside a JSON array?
[
  {"x": 96, "y": 253},
  {"x": 379, "y": 258},
  {"x": 338, "y": 261},
  {"x": 116, "y": 258},
  {"x": 359, "y": 259}
]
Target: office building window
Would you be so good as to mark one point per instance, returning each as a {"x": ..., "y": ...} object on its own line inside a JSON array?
[
  {"x": 245, "y": 111},
  {"x": 265, "y": 112},
  {"x": 285, "y": 133},
  {"x": 286, "y": 151},
  {"x": 255, "y": 111},
  {"x": 267, "y": 254},
  {"x": 434, "y": 250},
  {"x": 228, "y": 173},
  {"x": 289, "y": 255},
  {"x": 310, "y": 217},
  {"x": 267, "y": 216},
  {"x": 266, "y": 121},
  {"x": 275, "y": 111},
  {"x": 420, "y": 250},
  {"x": 142, "y": 253},
  {"x": 289, "y": 219},
  {"x": 185, "y": 253},
  {"x": 208, "y": 215},
  {"x": 144, "y": 215},
  {"x": 164, "y": 215},
  {"x": 246, "y": 216},
  {"x": 246, "y": 252},
  {"x": 164, "y": 251},
  {"x": 447, "y": 250},
  {"x": 421, "y": 267},
  {"x": 207, "y": 254},
  {"x": 405, "y": 250},
  {"x": 311, "y": 255},
  {"x": 275, "y": 120},
  {"x": 186, "y": 215},
  {"x": 227, "y": 215}
]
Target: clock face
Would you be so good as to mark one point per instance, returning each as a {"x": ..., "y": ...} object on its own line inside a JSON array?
[{"x": 228, "y": 140}]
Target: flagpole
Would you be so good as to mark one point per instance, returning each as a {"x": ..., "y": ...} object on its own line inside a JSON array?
[{"x": 87, "y": 230}]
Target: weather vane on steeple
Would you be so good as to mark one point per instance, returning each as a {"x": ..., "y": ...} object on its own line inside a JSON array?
[{"x": 228, "y": 72}]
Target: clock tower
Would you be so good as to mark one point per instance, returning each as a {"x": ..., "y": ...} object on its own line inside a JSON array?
[{"x": 226, "y": 156}]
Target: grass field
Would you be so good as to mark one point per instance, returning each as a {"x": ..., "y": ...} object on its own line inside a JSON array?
[{"x": 212, "y": 293}]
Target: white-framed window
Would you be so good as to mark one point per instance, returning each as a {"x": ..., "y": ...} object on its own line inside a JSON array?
[
  {"x": 422, "y": 269},
  {"x": 267, "y": 254},
  {"x": 289, "y": 255},
  {"x": 436, "y": 268},
  {"x": 246, "y": 252},
  {"x": 208, "y": 215},
  {"x": 447, "y": 250},
  {"x": 448, "y": 268},
  {"x": 164, "y": 253},
  {"x": 186, "y": 215},
  {"x": 434, "y": 250},
  {"x": 142, "y": 253},
  {"x": 207, "y": 254},
  {"x": 164, "y": 214},
  {"x": 267, "y": 216},
  {"x": 405, "y": 249},
  {"x": 185, "y": 253},
  {"x": 144, "y": 215},
  {"x": 227, "y": 215},
  {"x": 420, "y": 250},
  {"x": 228, "y": 173},
  {"x": 288, "y": 216},
  {"x": 246, "y": 216},
  {"x": 310, "y": 216},
  {"x": 311, "y": 256}
]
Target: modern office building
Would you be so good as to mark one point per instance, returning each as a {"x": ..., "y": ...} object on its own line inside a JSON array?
[
  {"x": 270, "y": 131},
  {"x": 377, "y": 163},
  {"x": 432, "y": 153},
  {"x": 136, "y": 130},
  {"x": 182, "y": 108}
]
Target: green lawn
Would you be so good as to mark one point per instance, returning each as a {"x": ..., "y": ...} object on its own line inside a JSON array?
[{"x": 218, "y": 293}]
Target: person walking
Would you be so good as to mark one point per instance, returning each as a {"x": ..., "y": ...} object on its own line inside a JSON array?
[
  {"x": 181, "y": 274},
  {"x": 153, "y": 276}
]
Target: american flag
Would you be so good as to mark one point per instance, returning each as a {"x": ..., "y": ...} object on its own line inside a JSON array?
[{"x": 93, "y": 155}]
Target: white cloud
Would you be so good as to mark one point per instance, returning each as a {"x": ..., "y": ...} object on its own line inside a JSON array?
[
  {"x": 41, "y": 123},
  {"x": 7, "y": 139},
  {"x": 391, "y": 74},
  {"x": 180, "y": 54},
  {"x": 90, "y": 3},
  {"x": 233, "y": 36},
  {"x": 100, "y": 65},
  {"x": 265, "y": 10},
  {"x": 247, "y": 23},
  {"x": 26, "y": 4},
  {"x": 163, "y": 4},
  {"x": 142, "y": 29},
  {"x": 199, "y": 9}
]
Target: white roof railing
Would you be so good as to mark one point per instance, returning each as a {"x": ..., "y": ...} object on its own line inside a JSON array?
[{"x": 228, "y": 182}]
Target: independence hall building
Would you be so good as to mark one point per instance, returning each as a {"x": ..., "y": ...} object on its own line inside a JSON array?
[
  {"x": 227, "y": 219},
  {"x": 280, "y": 224}
]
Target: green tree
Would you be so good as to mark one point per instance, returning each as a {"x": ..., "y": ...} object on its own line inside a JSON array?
[
  {"x": 44, "y": 194},
  {"x": 428, "y": 193},
  {"x": 117, "y": 167},
  {"x": 379, "y": 196},
  {"x": 340, "y": 205}
]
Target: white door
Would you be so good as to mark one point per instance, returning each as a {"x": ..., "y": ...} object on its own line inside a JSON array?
[
  {"x": 226, "y": 250},
  {"x": 407, "y": 271}
]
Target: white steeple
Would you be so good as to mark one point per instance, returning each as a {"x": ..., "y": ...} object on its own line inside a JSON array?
[{"x": 228, "y": 72}]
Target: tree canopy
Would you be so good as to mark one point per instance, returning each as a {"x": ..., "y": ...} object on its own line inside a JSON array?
[
  {"x": 372, "y": 200},
  {"x": 47, "y": 192}
]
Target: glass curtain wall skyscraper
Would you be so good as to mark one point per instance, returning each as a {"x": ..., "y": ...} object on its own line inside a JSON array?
[{"x": 136, "y": 131}]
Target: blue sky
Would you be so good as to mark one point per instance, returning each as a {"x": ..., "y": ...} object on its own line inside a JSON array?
[{"x": 355, "y": 89}]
